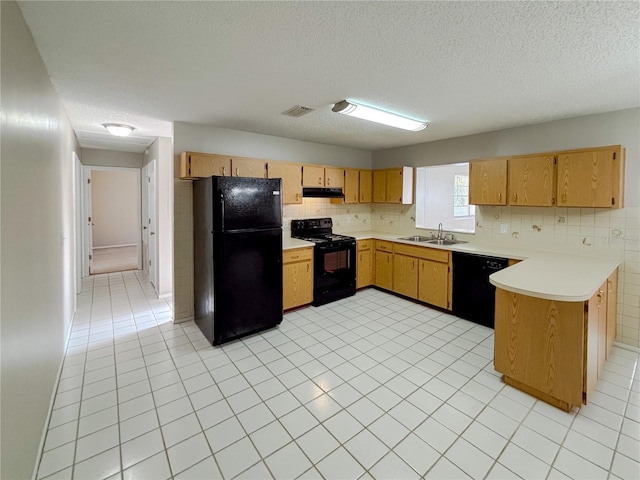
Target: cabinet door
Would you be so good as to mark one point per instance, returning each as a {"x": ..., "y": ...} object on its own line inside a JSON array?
[
  {"x": 379, "y": 186},
  {"x": 248, "y": 167},
  {"x": 586, "y": 178},
  {"x": 488, "y": 182},
  {"x": 433, "y": 285},
  {"x": 405, "y": 275},
  {"x": 202, "y": 165},
  {"x": 394, "y": 185},
  {"x": 531, "y": 181},
  {"x": 366, "y": 186},
  {"x": 364, "y": 268},
  {"x": 291, "y": 175},
  {"x": 312, "y": 176},
  {"x": 351, "y": 185},
  {"x": 334, "y": 177},
  {"x": 384, "y": 269},
  {"x": 297, "y": 284}
]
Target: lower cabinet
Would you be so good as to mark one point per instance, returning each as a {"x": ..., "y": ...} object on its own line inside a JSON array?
[
  {"x": 384, "y": 264},
  {"x": 421, "y": 273},
  {"x": 550, "y": 349},
  {"x": 405, "y": 275},
  {"x": 434, "y": 283},
  {"x": 297, "y": 268},
  {"x": 364, "y": 263}
]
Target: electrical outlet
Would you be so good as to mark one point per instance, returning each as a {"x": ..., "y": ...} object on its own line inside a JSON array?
[{"x": 504, "y": 228}]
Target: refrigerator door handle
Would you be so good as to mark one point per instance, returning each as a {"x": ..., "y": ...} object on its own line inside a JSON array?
[{"x": 222, "y": 212}]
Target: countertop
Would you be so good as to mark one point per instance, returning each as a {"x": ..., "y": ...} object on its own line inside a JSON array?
[{"x": 552, "y": 276}]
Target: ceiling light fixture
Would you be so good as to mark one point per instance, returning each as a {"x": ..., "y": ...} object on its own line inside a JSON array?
[
  {"x": 378, "y": 116},
  {"x": 118, "y": 129}
]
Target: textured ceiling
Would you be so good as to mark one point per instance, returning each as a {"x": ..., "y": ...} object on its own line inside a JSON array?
[{"x": 465, "y": 67}]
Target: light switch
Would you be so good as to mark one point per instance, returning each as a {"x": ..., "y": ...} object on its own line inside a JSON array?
[{"x": 504, "y": 228}]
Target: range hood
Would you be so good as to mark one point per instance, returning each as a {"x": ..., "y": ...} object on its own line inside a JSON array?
[{"x": 322, "y": 192}]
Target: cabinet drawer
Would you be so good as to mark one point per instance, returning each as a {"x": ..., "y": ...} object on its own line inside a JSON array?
[
  {"x": 297, "y": 255},
  {"x": 364, "y": 244},
  {"x": 427, "y": 253},
  {"x": 384, "y": 245}
]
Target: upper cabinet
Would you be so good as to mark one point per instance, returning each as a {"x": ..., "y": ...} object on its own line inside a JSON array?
[
  {"x": 531, "y": 181},
  {"x": 291, "y": 175},
  {"x": 318, "y": 176},
  {"x": 591, "y": 177},
  {"x": 198, "y": 165},
  {"x": 248, "y": 167},
  {"x": 393, "y": 185},
  {"x": 366, "y": 186},
  {"x": 312, "y": 176},
  {"x": 351, "y": 186},
  {"x": 488, "y": 182}
]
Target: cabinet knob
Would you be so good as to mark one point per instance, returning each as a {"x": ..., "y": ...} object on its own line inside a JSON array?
[
  {"x": 328, "y": 182},
  {"x": 319, "y": 180},
  {"x": 515, "y": 197},
  {"x": 237, "y": 172},
  {"x": 499, "y": 196},
  {"x": 223, "y": 172}
]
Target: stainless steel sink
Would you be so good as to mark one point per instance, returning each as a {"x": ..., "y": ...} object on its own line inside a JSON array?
[
  {"x": 436, "y": 241},
  {"x": 416, "y": 238}
]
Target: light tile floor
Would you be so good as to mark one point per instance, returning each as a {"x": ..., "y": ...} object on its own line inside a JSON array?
[{"x": 373, "y": 386}]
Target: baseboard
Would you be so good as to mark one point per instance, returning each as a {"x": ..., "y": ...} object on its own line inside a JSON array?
[
  {"x": 626, "y": 347},
  {"x": 184, "y": 319},
  {"x": 116, "y": 246},
  {"x": 166, "y": 295},
  {"x": 52, "y": 402}
]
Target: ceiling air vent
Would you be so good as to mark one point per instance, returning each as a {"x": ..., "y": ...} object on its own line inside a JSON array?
[{"x": 297, "y": 111}]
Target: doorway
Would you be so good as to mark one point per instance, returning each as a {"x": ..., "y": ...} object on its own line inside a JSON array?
[{"x": 113, "y": 234}]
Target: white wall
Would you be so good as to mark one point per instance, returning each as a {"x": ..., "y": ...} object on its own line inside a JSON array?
[
  {"x": 111, "y": 158},
  {"x": 588, "y": 231},
  {"x": 115, "y": 205},
  {"x": 207, "y": 139},
  {"x": 162, "y": 151},
  {"x": 37, "y": 257}
]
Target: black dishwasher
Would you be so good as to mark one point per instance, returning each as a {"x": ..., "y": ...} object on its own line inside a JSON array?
[{"x": 474, "y": 298}]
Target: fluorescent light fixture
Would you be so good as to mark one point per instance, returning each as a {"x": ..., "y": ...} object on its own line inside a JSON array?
[
  {"x": 118, "y": 129},
  {"x": 378, "y": 116}
]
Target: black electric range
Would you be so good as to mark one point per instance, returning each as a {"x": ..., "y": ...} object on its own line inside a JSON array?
[{"x": 334, "y": 258}]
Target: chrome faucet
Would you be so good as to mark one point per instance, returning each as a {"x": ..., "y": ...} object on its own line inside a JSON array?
[{"x": 440, "y": 232}]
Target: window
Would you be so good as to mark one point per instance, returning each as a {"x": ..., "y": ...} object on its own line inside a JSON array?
[
  {"x": 461, "y": 207},
  {"x": 442, "y": 196}
]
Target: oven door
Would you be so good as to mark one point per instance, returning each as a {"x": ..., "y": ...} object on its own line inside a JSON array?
[{"x": 334, "y": 271}]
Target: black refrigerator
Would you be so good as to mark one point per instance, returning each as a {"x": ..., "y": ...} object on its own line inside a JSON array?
[{"x": 237, "y": 226}]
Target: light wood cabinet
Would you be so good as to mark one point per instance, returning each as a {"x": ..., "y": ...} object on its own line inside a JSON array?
[
  {"x": 405, "y": 275},
  {"x": 550, "y": 349},
  {"x": 291, "y": 174},
  {"x": 435, "y": 283},
  {"x": 591, "y": 178},
  {"x": 297, "y": 268},
  {"x": 312, "y": 176},
  {"x": 384, "y": 264},
  {"x": 248, "y": 167},
  {"x": 379, "y": 186},
  {"x": 350, "y": 188},
  {"x": 531, "y": 181},
  {"x": 334, "y": 177},
  {"x": 199, "y": 165},
  {"x": 393, "y": 185},
  {"x": 364, "y": 264},
  {"x": 488, "y": 182},
  {"x": 366, "y": 186}
]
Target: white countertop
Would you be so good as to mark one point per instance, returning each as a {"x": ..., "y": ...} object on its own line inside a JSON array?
[
  {"x": 566, "y": 278},
  {"x": 552, "y": 276}
]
